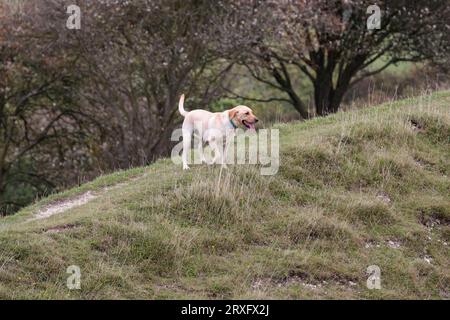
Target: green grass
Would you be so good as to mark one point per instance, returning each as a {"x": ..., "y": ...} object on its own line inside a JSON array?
[{"x": 349, "y": 187}]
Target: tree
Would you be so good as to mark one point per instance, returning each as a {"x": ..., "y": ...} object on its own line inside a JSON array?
[
  {"x": 137, "y": 58},
  {"x": 74, "y": 103},
  {"x": 39, "y": 131},
  {"x": 328, "y": 42}
]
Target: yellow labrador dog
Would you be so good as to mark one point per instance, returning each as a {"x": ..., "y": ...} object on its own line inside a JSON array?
[{"x": 212, "y": 127}]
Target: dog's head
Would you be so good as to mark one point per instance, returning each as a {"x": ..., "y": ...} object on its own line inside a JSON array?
[{"x": 243, "y": 115}]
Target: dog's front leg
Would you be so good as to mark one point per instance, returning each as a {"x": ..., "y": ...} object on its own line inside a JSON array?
[
  {"x": 200, "y": 150},
  {"x": 215, "y": 147},
  {"x": 228, "y": 141}
]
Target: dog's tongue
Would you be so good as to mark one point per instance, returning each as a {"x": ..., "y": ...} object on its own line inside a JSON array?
[{"x": 251, "y": 127}]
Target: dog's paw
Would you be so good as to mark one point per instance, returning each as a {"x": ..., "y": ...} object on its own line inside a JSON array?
[{"x": 185, "y": 167}]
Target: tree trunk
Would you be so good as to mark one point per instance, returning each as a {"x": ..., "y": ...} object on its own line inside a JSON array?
[
  {"x": 327, "y": 99},
  {"x": 323, "y": 94},
  {"x": 336, "y": 100},
  {"x": 323, "y": 83}
]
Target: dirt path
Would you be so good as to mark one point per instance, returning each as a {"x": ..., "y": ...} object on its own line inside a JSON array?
[
  {"x": 67, "y": 204},
  {"x": 64, "y": 205}
]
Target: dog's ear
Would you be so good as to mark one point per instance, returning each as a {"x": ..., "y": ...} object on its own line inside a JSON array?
[{"x": 232, "y": 113}]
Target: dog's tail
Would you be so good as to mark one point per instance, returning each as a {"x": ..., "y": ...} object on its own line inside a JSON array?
[{"x": 181, "y": 106}]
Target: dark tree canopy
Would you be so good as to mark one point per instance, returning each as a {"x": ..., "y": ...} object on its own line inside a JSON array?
[
  {"x": 329, "y": 43},
  {"x": 78, "y": 103}
]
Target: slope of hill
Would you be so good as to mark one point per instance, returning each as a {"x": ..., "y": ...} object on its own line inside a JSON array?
[{"x": 354, "y": 190}]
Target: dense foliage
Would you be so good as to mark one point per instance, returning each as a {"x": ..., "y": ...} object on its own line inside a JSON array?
[{"x": 76, "y": 103}]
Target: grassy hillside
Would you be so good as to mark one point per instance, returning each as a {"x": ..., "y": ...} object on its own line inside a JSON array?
[{"x": 353, "y": 190}]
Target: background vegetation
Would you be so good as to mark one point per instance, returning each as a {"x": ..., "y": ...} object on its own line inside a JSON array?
[{"x": 78, "y": 103}]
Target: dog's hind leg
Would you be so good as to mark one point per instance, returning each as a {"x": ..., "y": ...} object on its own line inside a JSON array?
[{"x": 187, "y": 133}]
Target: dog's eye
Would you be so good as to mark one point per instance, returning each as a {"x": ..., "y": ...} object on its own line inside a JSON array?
[{"x": 247, "y": 113}]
